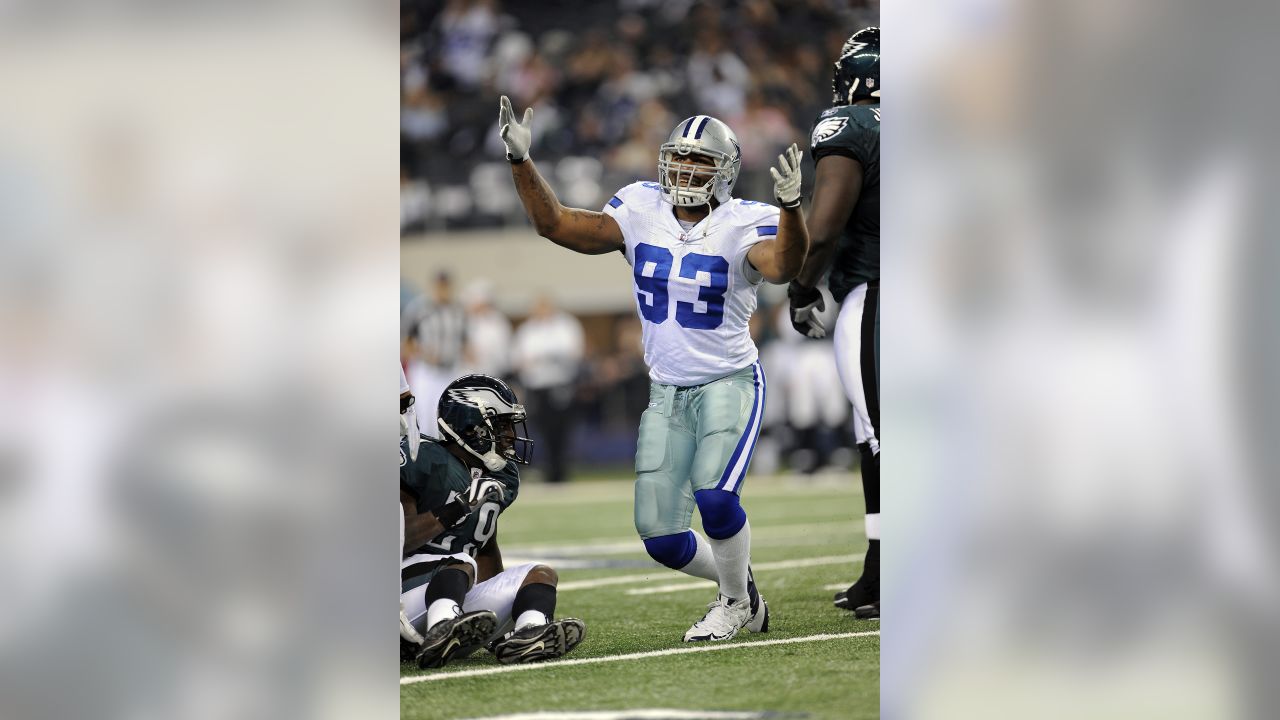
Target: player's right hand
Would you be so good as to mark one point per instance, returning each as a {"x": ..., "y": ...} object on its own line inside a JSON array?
[
  {"x": 482, "y": 490},
  {"x": 517, "y": 135},
  {"x": 454, "y": 511},
  {"x": 806, "y": 303}
]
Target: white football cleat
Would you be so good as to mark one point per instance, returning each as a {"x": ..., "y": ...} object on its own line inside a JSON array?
[{"x": 724, "y": 618}]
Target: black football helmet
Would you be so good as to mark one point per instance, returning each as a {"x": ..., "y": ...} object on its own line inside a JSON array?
[
  {"x": 868, "y": 35},
  {"x": 856, "y": 74},
  {"x": 480, "y": 413}
]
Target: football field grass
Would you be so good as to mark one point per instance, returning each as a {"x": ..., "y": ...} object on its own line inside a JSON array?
[{"x": 815, "y": 662}]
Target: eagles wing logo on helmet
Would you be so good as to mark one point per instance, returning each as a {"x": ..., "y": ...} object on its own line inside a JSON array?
[
  {"x": 480, "y": 398},
  {"x": 828, "y": 129},
  {"x": 851, "y": 48}
]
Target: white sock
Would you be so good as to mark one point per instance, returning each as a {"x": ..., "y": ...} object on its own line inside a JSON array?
[
  {"x": 872, "y": 525},
  {"x": 442, "y": 609},
  {"x": 733, "y": 555},
  {"x": 703, "y": 564},
  {"x": 531, "y": 617}
]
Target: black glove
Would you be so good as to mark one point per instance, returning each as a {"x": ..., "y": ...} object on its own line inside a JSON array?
[
  {"x": 806, "y": 303},
  {"x": 453, "y": 512}
]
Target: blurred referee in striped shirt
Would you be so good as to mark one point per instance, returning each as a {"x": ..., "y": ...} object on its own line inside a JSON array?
[{"x": 436, "y": 335}]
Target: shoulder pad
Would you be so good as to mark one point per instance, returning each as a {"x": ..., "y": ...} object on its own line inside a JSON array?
[
  {"x": 639, "y": 189},
  {"x": 844, "y": 125},
  {"x": 751, "y": 212}
]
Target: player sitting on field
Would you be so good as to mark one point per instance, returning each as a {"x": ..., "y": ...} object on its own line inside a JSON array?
[{"x": 454, "y": 589}]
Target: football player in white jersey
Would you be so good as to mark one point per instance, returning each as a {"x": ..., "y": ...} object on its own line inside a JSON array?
[{"x": 698, "y": 256}]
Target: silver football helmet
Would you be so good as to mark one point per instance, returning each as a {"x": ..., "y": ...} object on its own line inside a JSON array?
[{"x": 690, "y": 184}]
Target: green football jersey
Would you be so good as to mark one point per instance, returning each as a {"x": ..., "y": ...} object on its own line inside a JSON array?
[
  {"x": 854, "y": 131},
  {"x": 434, "y": 478}
]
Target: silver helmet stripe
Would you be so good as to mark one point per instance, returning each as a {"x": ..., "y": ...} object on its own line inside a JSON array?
[
  {"x": 688, "y": 125},
  {"x": 703, "y": 135}
]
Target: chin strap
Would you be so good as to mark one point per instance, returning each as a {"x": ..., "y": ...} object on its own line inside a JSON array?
[{"x": 491, "y": 459}]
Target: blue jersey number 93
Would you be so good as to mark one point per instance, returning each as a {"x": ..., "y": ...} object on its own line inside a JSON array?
[{"x": 653, "y": 266}]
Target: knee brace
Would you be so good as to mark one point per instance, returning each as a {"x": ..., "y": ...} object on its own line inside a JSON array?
[
  {"x": 674, "y": 551},
  {"x": 722, "y": 513}
]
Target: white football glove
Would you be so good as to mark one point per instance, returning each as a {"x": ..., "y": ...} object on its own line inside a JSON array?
[
  {"x": 516, "y": 135},
  {"x": 786, "y": 177},
  {"x": 406, "y": 628},
  {"x": 482, "y": 490},
  {"x": 409, "y": 428}
]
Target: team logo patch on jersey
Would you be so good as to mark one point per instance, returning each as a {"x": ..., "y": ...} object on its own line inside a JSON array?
[{"x": 828, "y": 129}]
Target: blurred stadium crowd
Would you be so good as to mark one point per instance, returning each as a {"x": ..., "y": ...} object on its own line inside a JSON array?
[{"x": 608, "y": 80}]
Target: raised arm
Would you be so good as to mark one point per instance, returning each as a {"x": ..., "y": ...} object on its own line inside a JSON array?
[
  {"x": 584, "y": 231},
  {"x": 836, "y": 188},
  {"x": 780, "y": 259},
  {"x": 837, "y": 184}
]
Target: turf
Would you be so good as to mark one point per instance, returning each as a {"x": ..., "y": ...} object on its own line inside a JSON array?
[{"x": 590, "y": 523}]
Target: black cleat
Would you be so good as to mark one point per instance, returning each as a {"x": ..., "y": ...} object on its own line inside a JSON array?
[
  {"x": 870, "y": 611},
  {"x": 862, "y": 592},
  {"x": 867, "y": 589},
  {"x": 540, "y": 642},
  {"x": 408, "y": 650},
  {"x": 462, "y": 634},
  {"x": 759, "y": 608}
]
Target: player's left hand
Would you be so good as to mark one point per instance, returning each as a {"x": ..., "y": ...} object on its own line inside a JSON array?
[
  {"x": 409, "y": 425},
  {"x": 482, "y": 490},
  {"x": 786, "y": 177},
  {"x": 806, "y": 303}
]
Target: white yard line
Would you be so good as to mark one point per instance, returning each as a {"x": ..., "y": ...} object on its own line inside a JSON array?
[
  {"x": 661, "y": 571},
  {"x": 621, "y": 546},
  {"x": 413, "y": 679},
  {"x": 621, "y": 489},
  {"x": 635, "y": 714},
  {"x": 673, "y": 587},
  {"x": 783, "y": 565}
]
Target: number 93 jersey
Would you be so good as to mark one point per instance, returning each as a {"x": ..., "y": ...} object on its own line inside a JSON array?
[
  {"x": 695, "y": 290},
  {"x": 434, "y": 478}
]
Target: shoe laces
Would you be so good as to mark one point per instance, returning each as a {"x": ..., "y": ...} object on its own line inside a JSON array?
[{"x": 723, "y": 616}]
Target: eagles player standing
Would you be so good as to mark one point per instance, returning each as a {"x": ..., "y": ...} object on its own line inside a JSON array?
[
  {"x": 454, "y": 589},
  {"x": 844, "y": 220},
  {"x": 698, "y": 256}
]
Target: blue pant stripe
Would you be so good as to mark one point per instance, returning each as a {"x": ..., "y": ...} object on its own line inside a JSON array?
[{"x": 737, "y": 465}]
